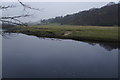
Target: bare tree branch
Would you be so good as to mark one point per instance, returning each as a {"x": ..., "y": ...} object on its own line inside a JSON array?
[
  {"x": 6, "y": 7},
  {"x": 27, "y": 6},
  {"x": 15, "y": 23},
  {"x": 15, "y": 19}
]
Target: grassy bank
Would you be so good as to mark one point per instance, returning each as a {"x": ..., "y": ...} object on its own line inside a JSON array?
[{"x": 84, "y": 33}]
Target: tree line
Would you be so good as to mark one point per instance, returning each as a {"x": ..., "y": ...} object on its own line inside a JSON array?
[{"x": 104, "y": 16}]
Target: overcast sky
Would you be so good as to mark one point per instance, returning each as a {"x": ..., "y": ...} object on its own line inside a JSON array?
[{"x": 50, "y": 9}]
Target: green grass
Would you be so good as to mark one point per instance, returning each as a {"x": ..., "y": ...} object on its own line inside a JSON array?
[{"x": 84, "y": 33}]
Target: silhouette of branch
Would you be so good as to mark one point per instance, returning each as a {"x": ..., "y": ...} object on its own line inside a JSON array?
[
  {"x": 15, "y": 23},
  {"x": 27, "y": 6},
  {"x": 15, "y": 19},
  {"x": 6, "y": 7}
]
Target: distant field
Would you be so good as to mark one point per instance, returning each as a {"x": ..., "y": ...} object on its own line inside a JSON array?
[{"x": 84, "y": 33}]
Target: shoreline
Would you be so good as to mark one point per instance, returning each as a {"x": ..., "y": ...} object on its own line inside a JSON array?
[{"x": 79, "y": 33}]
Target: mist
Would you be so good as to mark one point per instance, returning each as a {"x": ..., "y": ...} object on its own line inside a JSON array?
[{"x": 49, "y": 9}]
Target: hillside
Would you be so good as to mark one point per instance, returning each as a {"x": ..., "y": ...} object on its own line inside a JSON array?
[{"x": 104, "y": 16}]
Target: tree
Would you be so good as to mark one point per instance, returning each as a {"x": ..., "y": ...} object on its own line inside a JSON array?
[
  {"x": 15, "y": 19},
  {"x": 104, "y": 16}
]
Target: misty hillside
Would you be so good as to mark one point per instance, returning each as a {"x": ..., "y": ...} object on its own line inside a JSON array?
[{"x": 104, "y": 16}]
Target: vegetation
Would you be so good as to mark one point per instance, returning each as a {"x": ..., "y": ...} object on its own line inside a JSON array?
[
  {"x": 90, "y": 25},
  {"x": 104, "y": 16},
  {"x": 84, "y": 33}
]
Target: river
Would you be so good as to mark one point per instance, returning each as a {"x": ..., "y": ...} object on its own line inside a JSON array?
[
  {"x": 26, "y": 56},
  {"x": 0, "y": 53}
]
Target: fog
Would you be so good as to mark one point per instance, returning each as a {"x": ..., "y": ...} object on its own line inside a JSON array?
[{"x": 49, "y": 9}]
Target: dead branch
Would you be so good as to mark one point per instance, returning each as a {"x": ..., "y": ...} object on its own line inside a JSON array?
[
  {"x": 6, "y": 7},
  {"x": 15, "y": 19},
  {"x": 15, "y": 23},
  {"x": 27, "y": 6}
]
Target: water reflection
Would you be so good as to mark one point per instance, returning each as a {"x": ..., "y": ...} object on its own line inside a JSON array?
[
  {"x": 0, "y": 52},
  {"x": 30, "y": 57},
  {"x": 106, "y": 45}
]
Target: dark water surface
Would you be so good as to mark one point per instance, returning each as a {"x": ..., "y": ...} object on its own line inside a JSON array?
[{"x": 32, "y": 57}]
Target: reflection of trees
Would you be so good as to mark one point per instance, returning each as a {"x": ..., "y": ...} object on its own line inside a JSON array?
[
  {"x": 6, "y": 35},
  {"x": 93, "y": 44},
  {"x": 53, "y": 39},
  {"x": 107, "y": 45}
]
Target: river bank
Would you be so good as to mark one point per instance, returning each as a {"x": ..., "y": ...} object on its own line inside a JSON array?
[{"x": 80, "y": 33}]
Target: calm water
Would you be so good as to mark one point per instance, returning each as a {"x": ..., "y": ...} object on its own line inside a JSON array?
[
  {"x": 32, "y": 57},
  {"x": 0, "y": 53}
]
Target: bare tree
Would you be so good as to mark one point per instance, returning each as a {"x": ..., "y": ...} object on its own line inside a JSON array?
[{"x": 15, "y": 19}]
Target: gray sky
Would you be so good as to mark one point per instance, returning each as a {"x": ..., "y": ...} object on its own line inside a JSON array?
[{"x": 50, "y": 9}]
